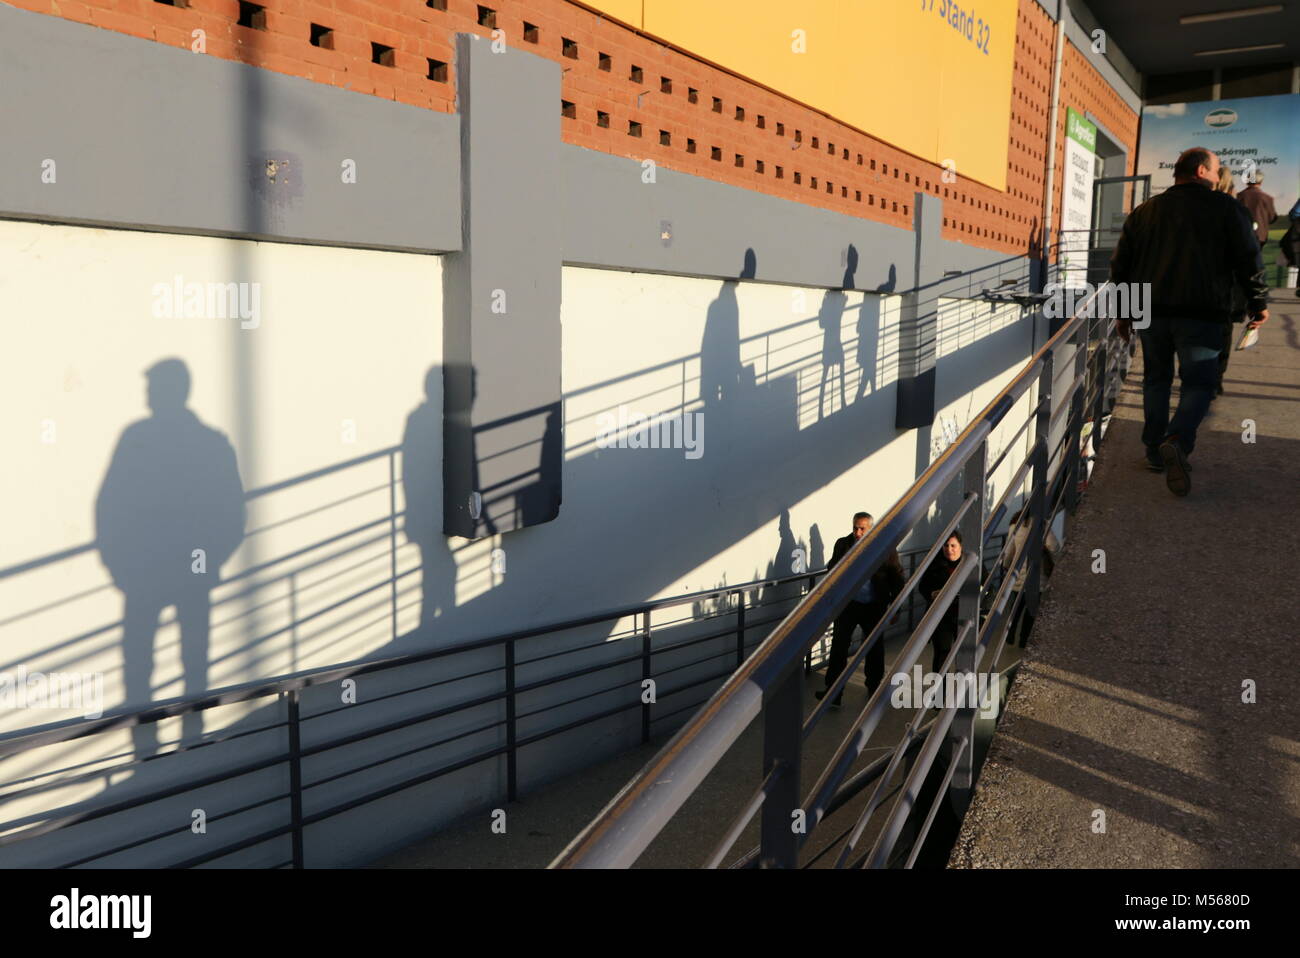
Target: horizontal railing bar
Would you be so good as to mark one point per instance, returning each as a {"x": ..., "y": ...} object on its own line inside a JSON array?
[
  {"x": 179, "y": 829},
  {"x": 403, "y": 754},
  {"x": 218, "y": 739},
  {"x": 424, "y": 777},
  {"x": 238, "y": 846},
  {"x": 261, "y": 689},
  {"x": 463, "y": 677},
  {"x": 67, "y": 821}
]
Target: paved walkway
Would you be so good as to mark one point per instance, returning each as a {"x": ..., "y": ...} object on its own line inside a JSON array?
[{"x": 1130, "y": 700}]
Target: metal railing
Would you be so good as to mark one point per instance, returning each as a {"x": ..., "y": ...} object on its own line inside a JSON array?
[
  {"x": 769, "y": 685},
  {"x": 724, "y": 617}
]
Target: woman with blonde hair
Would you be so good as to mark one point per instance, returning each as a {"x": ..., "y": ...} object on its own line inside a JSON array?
[
  {"x": 1238, "y": 297},
  {"x": 1225, "y": 181}
]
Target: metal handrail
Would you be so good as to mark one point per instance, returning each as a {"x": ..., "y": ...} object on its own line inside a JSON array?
[
  {"x": 291, "y": 687},
  {"x": 767, "y": 683}
]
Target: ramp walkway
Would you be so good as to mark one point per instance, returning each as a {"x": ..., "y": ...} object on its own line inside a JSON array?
[{"x": 1130, "y": 703}]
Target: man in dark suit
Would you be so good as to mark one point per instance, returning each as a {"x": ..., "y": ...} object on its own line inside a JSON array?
[{"x": 864, "y": 611}]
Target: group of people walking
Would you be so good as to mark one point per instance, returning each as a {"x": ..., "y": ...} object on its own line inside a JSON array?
[{"x": 1198, "y": 249}]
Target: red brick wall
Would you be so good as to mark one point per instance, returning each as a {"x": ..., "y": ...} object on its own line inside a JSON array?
[
  {"x": 1083, "y": 88},
  {"x": 775, "y": 145}
]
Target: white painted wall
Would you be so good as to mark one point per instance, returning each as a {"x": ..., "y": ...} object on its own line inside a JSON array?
[{"x": 798, "y": 436}]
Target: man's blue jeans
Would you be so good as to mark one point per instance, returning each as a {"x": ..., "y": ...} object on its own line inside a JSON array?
[{"x": 1196, "y": 343}]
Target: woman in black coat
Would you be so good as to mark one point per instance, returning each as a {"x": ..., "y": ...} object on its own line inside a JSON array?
[{"x": 932, "y": 583}]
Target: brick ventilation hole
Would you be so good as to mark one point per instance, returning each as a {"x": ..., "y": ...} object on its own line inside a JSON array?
[
  {"x": 181, "y": 4},
  {"x": 487, "y": 17},
  {"x": 830, "y": 149},
  {"x": 665, "y": 138},
  {"x": 322, "y": 37},
  {"x": 780, "y": 129},
  {"x": 798, "y": 136},
  {"x": 436, "y": 4},
  {"x": 740, "y": 113},
  {"x": 859, "y": 159},
  {"x": 762, "y": 122},
  {"x": 569, "y": 48},
  {"x": 605, "y": 62},
  {"x": 717, "y": 104},
  {"x": 438, "y": 71},
  {"x": 740, "y": 161},
  {"x": 382, "y": 55},
  {"x": 665, "y": 85},
  {"x": 530, "y": 32},
  {"x": 813, "y": 184},
  {"x": 252, "y": 16},
  {"x": 690, "y": 145},
  {"x": 715, "y": 153},
  {"x": 602, "y": 119},
  {"x": 857, "y": 196},
  {"x": 568, "y": 110},
  {"x": 636, "y": 74},
  {"x": 780, "y": 172},
  {"x": 846, "y": 154},
  {"x": 633, "y": 128},
  {"x": 798, "y": 178},
  {"x": 815, "y": 144},
  {"x": 692, "y": 95}
]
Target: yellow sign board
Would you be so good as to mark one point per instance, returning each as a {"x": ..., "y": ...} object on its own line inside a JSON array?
[{"x": 932, "y": 77}]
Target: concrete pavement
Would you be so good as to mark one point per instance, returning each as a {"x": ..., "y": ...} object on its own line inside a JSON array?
[{"x": 1132, "y": 712}]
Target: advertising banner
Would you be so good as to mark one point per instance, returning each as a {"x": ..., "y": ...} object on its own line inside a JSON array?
[
  {"x": 1076, "y": 197},
  {"x": 1256, "y": 133}
]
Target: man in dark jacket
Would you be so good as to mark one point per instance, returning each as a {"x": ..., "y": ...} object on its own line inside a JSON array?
[
  {"x": 1260, "y": 207},
  {"x": 1190, "y": 244},
  {"x": 864, "y": 611}
]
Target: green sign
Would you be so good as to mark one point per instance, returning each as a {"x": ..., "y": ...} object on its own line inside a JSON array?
[{"x": 1080, "y": 130}]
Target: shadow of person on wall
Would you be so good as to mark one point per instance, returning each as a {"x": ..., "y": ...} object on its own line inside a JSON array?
[
  {"x": 791, "y": 559},
  {"x": 422, "y": 511},
  {"x": 539, "y": 501},
  {"x": 169, "y": 513},
  {"x": 720, "y": 372},
  {"x": 723, "y": 380},
  {"x": 817, "y": 547},
  {"x": 830, "y": 317}
]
